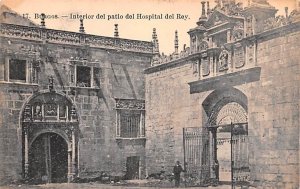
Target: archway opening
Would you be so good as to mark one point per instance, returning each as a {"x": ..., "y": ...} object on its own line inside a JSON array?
[
  {"x": 50, "y": 132},
  {"x": 48, "y": 159},
  {"x": 227, "y": 144},
  {"x": 225, "y": 115}
]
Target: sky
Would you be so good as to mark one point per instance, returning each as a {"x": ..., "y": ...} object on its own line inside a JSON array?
[{"x": 140, "y": 29}]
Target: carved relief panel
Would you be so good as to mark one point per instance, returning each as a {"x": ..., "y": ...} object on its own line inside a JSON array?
[
  {"x": 196, "y": 65},
  {"x": 205, "y": 65},
  {"x": 249, "y": 26},
  {"x": 224, "y": 59},
  {"x": 250, "y": 50},
  {"x": 239, "y": 56}
]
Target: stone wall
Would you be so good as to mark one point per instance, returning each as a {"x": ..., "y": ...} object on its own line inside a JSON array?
[
  {"x": 273, "y": 112},
  {"x": 121, "y": 76}
]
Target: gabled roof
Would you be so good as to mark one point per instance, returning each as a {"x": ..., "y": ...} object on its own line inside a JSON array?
[
  {"x": 218, "y": 17},
  {"x": 9, "y": 16}
]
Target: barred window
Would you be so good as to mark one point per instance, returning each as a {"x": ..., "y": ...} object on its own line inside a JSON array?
[{"x": 130, "y": 124}]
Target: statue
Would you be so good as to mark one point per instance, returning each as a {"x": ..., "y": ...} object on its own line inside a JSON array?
[{"x": 223, "y": 59}]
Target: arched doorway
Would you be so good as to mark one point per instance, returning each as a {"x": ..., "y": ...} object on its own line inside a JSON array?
[
  {"x": 225, "y": 116},
  {"x": 229, "y": 146},
  {"x": 48, "y": 159},
  {"x": 50, "y": 132}
]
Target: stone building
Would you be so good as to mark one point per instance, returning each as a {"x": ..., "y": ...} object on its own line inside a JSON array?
[
  {"x": 227, "y": 107},
  {"x": 72, "y": 104}
]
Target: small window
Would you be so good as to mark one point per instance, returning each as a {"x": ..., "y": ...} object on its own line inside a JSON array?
[
  {"x": 17, "y": 70},
  {"x": 130, "y": 124},
  {"x": 83, "y": 76}
]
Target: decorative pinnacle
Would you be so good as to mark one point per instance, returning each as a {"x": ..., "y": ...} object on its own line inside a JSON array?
[
  {"x": 154, "y": 35},
  {"x": 176, "y": 42},
  {"x": 51, "y": 83},
  {"x": 208, "y": 9},
  {"x": 43, "y": 16},
  {"x": 116, "y": 31},
  {"x": 155, "y": 41},
  {"x": 286, "y": 9},
  {"x": 203, "y": 15},
  {"x": 81, "y": 28}
]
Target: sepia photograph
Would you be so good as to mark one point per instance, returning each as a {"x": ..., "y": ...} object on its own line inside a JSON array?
[{"x": 144, "y": 94}]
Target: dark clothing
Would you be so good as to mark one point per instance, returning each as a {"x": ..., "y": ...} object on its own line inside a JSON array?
[
  {"x": 177, "y": 170},
  {"x": 216, "y": 170}
]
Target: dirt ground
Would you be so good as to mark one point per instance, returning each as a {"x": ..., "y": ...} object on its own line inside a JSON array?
[{"x": 96, "y": 185}]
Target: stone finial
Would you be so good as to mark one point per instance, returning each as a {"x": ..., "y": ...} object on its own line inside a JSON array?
[
  {"x": 208, "y": 8},
  {"x": 286, "y": 9},
  {"x": 203, "y": 17},
  {"x": 155, "y": 41},
  {"x": 81, "y": 28},
  {"x": 218, "y": 3},
  {"x": 176, "y": 42},
  {"x": 51, "y": 83},
  {"x": 43, "y": 16},
  {"x": 116, "y": 34}
]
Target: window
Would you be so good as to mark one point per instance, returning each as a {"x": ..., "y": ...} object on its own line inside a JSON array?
[
  {"x": 130, "y": 120},
  {"x": 130, "y": 124},
  {"x": 20, "y": 70},
  {"x": 83, "y": 74},
  {"x": 17, "y": 70}
]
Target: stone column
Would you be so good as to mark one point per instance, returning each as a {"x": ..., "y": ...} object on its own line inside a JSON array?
[
  {"x": 26, "y": 151},
  {"x": 211, "y": 154},
  {"x": 70, "y": 175},
  {"x": 73, "y": 153}
]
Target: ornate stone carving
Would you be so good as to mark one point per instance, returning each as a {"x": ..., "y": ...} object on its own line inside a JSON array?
[
  {"x": 249, "y": 26},
  {"x": 195, "y": 66},
  {"x": 250, "y": 53},
  {"x": 239, "y": 56},
  {"x": 27, "y": 113},
  {"x": 65, "y": 37},
  {"x": 205, "y": 66},
  {"x": 20, "y": 31},
  {"x": 130, "y": 104},
  {"x": 237, "y": 34},
  {"x": 203, "y": 46},
  {"x": 275, "y": 22},
  {"x": 223, "y": 59}
]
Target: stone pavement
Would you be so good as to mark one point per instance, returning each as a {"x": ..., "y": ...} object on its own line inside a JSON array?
[{"x": 92, "y": 186}]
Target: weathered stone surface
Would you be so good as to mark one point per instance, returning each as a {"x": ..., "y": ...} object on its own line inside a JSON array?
[
  {"x": 273, "y": 113},
  {"x": 121, "y": 76}
]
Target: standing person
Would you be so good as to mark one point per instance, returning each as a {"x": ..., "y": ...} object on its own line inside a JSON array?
[
  {"x": 177, "y": 170},
  {"x": 217, "y": 170}
]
